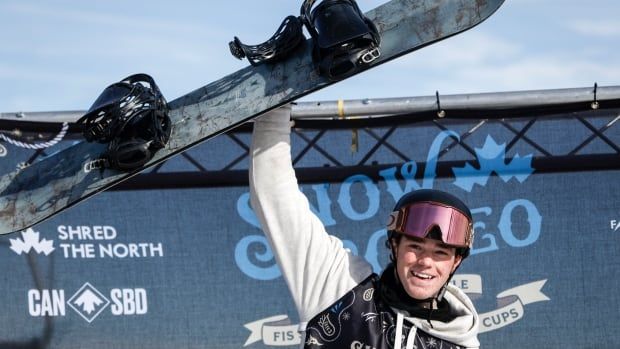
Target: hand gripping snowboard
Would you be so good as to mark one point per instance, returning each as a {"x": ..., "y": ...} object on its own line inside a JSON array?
[{"x": 47, "y": 187}]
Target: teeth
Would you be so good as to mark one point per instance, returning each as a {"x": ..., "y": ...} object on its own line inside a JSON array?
[{"x": 423, "y": 276}]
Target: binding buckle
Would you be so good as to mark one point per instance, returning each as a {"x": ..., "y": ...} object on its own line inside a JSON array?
[{"x": 371, "y": 55}]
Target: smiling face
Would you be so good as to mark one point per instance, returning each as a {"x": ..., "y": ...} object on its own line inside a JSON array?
[{"x": 424, "y": 265}]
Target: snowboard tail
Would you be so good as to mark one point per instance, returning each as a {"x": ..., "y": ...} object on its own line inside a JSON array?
[{"x": 43, "y": 189}]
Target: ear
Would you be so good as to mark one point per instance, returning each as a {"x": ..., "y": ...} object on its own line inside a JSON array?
[{"x": 457, "y": 261}]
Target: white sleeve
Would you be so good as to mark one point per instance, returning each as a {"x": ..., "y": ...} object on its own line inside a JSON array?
[{"x": 315, "y": 266}]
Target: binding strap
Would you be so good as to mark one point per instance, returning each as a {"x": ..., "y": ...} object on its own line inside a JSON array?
[
  {"x": 132, "y": 117},
  {"x": 286, "y": 39},
  {"x": 345, "y": 40}
]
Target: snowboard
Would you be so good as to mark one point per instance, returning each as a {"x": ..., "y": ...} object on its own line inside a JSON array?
[{"x": 45, "y": 188}]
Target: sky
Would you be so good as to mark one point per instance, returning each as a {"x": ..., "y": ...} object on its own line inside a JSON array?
[{"x": 59, "y": 55}]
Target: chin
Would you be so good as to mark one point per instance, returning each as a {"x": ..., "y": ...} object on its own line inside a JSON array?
[{"x": 420, "y": 294}]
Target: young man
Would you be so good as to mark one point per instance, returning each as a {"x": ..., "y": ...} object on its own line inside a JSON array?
[{"x": 340, "y": 301}]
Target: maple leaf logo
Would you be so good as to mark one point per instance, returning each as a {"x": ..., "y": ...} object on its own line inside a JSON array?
[
  {"x": 492, "y": 159},
  {"x": 30, "y": 240}
]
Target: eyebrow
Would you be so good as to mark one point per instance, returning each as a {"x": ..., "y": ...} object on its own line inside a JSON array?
[{"x": 438, "y": 244}]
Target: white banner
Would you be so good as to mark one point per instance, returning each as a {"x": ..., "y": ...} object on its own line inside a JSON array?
[
  {"x": 275, "y": 330},
  {"x": 469, "y": 283},
  {"x": 513, "y": 311}
]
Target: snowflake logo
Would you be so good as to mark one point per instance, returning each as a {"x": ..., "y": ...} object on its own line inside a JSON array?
[
  {"x": 346, "y": 316},
  {"x": 30, "y": 240},
  {"x": 431, "y": 342},
  {"x": 492, "y": 159}
]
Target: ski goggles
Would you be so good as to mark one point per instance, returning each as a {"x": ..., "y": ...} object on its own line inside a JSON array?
[{"x": 418, "y": 219}]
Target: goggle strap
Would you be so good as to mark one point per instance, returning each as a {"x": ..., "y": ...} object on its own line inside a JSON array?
[{"x": 395, "y": 220}]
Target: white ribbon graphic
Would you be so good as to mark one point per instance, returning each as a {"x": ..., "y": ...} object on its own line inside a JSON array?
[
  {"x": 273, "y": 331},
  {"x": 469, "y": 283},
  {"x": 512, "y": 312}
]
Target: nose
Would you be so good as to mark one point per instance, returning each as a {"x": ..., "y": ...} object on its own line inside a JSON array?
[{"x": 425, "y": 259}]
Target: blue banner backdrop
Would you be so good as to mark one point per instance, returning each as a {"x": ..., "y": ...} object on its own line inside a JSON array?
[{"x": 191, "y": 269}]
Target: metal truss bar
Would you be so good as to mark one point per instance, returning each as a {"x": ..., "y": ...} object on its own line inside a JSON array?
[
  {"x": 244, "y": 155},
  {"x": 521, "y": 135},
  {"x": 37, "y": 153},
  {"x": 235, "y": 161},
  {"x": 462, "y": 144},
  {"x": 384, "y": 135},
  {"x": 194, "y": 162},
  {"x": 596, "y": 133},
  {"x": 377, "y": 145},
  {"x": 181, "y": 180},
  {"x": 462, "y": 138},
  {"x": 312, "y": 144},
  {"x": 157, "y": 167},
  {"x": 238, "y": 141},
  {"x": 386, "y": 144}
]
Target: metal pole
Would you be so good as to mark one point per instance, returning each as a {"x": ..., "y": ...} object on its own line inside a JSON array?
[
  {"x": 480, "y": 101},
  {"x": 369, "y": 107}
]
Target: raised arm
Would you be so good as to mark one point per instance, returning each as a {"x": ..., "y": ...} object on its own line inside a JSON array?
[{"x": 316, "y": 267}]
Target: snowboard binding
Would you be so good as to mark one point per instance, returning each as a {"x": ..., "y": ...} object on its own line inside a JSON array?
[
  {"x": 286, "y": 39},
  {"x": 344, "y": 40},
  {"x": 132, "y": 117}
]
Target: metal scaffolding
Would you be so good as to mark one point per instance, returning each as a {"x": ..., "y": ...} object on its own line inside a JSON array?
[{"x": 590, "y": 115}]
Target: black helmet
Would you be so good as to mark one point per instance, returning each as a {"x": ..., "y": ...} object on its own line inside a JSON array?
[{"x": 430, "y": 213}]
